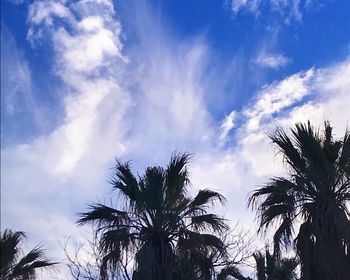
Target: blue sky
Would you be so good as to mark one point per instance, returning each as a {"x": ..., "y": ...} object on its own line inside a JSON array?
[{"x": 85, "y": 81}]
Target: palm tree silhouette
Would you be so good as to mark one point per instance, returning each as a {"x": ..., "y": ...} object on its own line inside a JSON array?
[
  {"x": 159, "y": 222},
  {"x": 269, "y": 267},
  {"x": 13, "y": 266},
  {"x": 316, "y": 195}
]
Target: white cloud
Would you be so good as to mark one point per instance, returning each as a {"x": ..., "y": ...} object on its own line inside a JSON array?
[
  {"x": 90, "y": 47},
  {"x": 226, "y": 126},
  {"x": 16, "y": 84},
  {"x": 288, "y": 9},
  {"x": 271, "y": 60},
  {"x": 331, "y": 99},
  {"x": 44, "y": 11},
  {"x": 250, "y": 5},
  {"x": 87, "y": 51},
  {"x": 282, "y": 104},
  {"x": 276, "y": 97}
]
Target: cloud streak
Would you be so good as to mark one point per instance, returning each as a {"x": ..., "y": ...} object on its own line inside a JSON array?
[
  {"x": 288, "y": 10},
  {"x": 272, "y": 61}
]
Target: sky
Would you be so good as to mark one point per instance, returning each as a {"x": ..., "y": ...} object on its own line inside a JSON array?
[{"x": 84, "y": 82}]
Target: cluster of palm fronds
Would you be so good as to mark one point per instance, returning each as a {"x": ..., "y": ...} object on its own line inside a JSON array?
[
  {"x": 157, "y": 230},
  {"x": 16, "y": 265},
  {"x": 171, "y": 234}
]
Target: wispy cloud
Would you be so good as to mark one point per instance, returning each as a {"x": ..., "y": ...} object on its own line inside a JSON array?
[
  {"x": 16, "y": 84},
  {"x": 249, "y": 5},
  {"x": 271, "y": 60},
  {"x": 276, "y": 97},
  {"x": 86, "y": 57},
  {"x": 288, "y": 10},
  {"x": 226, "y": 125}
]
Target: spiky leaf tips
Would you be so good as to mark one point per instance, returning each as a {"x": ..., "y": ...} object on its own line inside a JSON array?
[
  {"x": 317, "y": 193},
  {"x": 159, "y": 223},
  {"x": 16, "y": 266}
]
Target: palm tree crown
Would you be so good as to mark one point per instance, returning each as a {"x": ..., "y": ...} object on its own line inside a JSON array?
[
  {"x": 316, "y": 194},
  {"x": 159, "y": 222},
  {"x": 12, "y": 265}
]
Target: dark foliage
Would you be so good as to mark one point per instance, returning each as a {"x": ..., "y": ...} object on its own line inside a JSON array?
[
  {"x": 15, "y": 266},
  {"x": 169, "y": 233},
  {"x": 316, "y": 194}
]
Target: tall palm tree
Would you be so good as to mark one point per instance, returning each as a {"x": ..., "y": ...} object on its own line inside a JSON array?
[
  {"x": 316, "y": 196},
  {"x": 15, "y": 267},
  {"x": 157, "y": 220}
]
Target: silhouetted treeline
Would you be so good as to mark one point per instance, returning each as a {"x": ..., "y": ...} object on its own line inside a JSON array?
[{"x": 157, "y": 230}]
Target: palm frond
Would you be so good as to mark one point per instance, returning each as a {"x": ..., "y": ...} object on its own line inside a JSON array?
[
  {"x": 14, "y": 267},
  {"x": 103, "y": 215},
  {"x": 177, "y": 177},
  {"x": 152, "y": 188},
  {"x": 260, "y": 265},
  {"x": 283, "y": 236},
  {"x": 9, "y": 248},
  {"x": 34, "y": 260},
  {"x": 278, "y": 202},
  {"x": 126, "y": 183},
  {"x": 198, "y": 240},
  {"x": 209, "y": 221},
  {"x": 309, "y": 143},
  {"x": 290, "y": 153},
  {"x": 231, "y": 271},
  {"x": 279, "y": 190},
  {"x": 205, "y": 197},
  {"x": 109, "y": 261},
  {"x": 117, "y": 238},
  {"x": 344, "y": 158}
]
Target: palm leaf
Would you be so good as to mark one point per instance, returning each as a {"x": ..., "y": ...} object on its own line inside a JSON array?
[
  {"x": 209, "y": 221},
  {"x": 103, "y": 216},
  {"x": 9, "y": 248},
  {"x": 25, "y": 267},
  {"x": 126, "y": 183},
  {"x": 176, "y": 178},
  {"x": 203, "y": 199},
  {"x": 232, "y": 271}
]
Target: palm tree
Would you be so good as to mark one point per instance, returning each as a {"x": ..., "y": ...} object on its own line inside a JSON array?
[
  {"x": 15, "y": 267},
  {"x": 267, "y": 267},
  {"x": 157, "y": 221},
  {"x": 315, "y": 196},
  {"x": 270, "y": 267}
]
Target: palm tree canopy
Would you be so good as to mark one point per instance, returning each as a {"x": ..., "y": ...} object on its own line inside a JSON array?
[
  {"x": 317, "y": 194},
  {"x": 156, "y": 219},
  {"x": 13, "y": 266}
]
